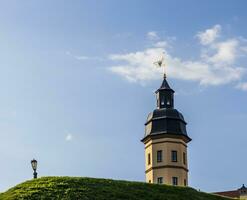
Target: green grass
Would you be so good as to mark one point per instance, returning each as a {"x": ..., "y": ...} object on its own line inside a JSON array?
[{"x": 75, "y": 188}]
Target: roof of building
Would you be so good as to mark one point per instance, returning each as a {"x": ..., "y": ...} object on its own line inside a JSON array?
[
  {"x": 243, "y": 187},
  {"x": 165, "y": 121},
  {"x": 164, "y": 86},
  {"x": 232, "y": 194}
]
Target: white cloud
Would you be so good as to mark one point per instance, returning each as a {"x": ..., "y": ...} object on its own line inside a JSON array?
[
  {"x": 216, "y": 66},
  {"x": 83, "y": 58},
  {"x": 139, "y": 67},
  {"x": 208, "y": 36},
  {"x": 161, "y": 44},
  {"x": 152, "y": 35},
  {"x": 223, "y": 52},
  {"x": 242, "y": 86},
  {"x": 69, "y": 137}
]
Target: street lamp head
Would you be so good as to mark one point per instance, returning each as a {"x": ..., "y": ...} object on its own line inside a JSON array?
[{"x": 34, "y": 164}]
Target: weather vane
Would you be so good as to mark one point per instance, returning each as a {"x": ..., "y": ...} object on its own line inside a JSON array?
[{"x": 161, "y": 63}]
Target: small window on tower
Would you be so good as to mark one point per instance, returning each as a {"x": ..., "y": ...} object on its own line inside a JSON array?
[
  {"x": 149, "y": 159},
  {"x": 168, "y": 103},
  {"x": 185, "y": 182},
  {"x": 184, "y": 158},
  {"x": 160, "y": 180},
  {"x": 159, "y": 156},
  {"x": 174, "y": 157},
  {"x": 162, "y": 102},
  {"x": 158, "y": 100},
  {"x": 174, "y": 180}
]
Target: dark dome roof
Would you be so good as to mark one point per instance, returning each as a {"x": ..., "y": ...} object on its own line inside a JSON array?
[{"x": 166, "y": 121}]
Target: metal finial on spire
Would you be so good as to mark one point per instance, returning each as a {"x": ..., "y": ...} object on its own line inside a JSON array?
[{"x": 161, "y": 63}]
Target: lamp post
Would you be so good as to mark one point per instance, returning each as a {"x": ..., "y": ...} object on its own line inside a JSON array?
[{"x": 34, "y": 166}]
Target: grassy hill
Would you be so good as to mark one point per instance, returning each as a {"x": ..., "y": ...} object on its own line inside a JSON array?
[{"x": 74, "y": 188}]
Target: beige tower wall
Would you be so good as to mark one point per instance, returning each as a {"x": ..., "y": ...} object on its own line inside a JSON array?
[
  {"x": 243, "y": 196},
  {"x": 166, "y": 169},
  {"x": 149, "y": 173}
]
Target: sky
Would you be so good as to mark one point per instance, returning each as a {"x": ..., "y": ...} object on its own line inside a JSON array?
[{"x": 77, "y": 82}]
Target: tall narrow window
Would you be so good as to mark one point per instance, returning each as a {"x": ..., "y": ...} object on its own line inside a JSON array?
[
  {"x": 149, "y": 159},
  {"x": 158, "y": 100},
  {"x": 174, "y": 156},
  {"x": 159, "y": 156},
  {"x": 174, "y": 180},
  {"x": 185, "y": 182},
  {"x": 184, "y": 158},
  {"x": 160, "y": 180},
  {"x": 168, "y": 102}
]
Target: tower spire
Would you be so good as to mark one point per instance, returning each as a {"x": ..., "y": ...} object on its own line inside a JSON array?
[{"x": 164, "y": 94}]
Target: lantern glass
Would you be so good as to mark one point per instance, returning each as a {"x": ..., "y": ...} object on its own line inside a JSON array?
[{"x": 34, "y": 164}]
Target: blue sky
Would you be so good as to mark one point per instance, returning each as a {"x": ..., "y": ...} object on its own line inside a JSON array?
[{"x": 77, "y": 83}]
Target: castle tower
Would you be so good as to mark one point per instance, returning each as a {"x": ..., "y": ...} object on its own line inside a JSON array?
[{"x": 166, "y": 141}]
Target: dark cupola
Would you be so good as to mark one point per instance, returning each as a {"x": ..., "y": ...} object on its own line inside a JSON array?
[
  {"x": 164, "y": 96},
  {"x": 165, "y": 121}
]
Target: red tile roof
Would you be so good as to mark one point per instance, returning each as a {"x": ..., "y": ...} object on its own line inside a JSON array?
[{"x": 233, "y": 193}]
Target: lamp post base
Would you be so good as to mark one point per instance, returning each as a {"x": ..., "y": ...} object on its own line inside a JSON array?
[{"x": 35, "y": 175}]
